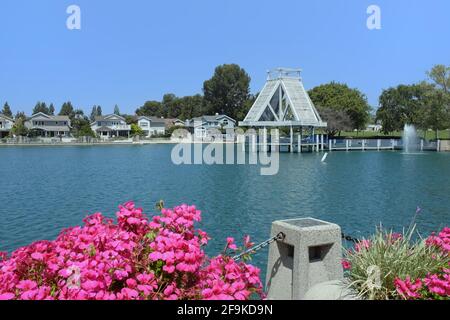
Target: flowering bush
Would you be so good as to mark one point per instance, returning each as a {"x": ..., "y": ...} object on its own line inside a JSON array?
[
  {"x": 133, "y": 259},
  {"x": 435, "y": 285},
  {"x": 392, "y": 266}
]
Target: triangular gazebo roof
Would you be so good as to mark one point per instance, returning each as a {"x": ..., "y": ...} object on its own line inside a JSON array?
[{"x": 283, "y": 102}]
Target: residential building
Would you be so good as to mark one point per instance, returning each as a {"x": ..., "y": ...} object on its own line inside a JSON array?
[
  {"x": 6, "y": 124},
  {"x": 111, "y": 126},
  {"x": 203, "y": 126},
  {"x": 44, "y": 125},
  {"x": 152, "y": 126}
]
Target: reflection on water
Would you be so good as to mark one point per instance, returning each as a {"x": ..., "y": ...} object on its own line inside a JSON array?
[{"x": 45, "y": 189}]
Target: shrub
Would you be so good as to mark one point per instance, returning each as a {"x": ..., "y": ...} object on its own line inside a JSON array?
[
  {"x": 394, "y": 266},
  {"x": 132, "y": 259}
]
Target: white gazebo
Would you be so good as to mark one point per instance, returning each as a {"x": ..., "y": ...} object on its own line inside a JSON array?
[{"x": 284, "y": 102}]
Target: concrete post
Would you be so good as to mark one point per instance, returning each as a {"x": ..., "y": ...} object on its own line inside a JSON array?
[
  {"x": 392, "y": 144},
  {"x": 291, "y": 141},
  {"x": 322, "y": 147},
  {"x": 363, "y": 143},
  {"x": 253, "y": 143},
  {"x": 421, "y": 145},
  {"x": 330, "y": 145},
  {"x": 299, "y": 143},
  {"x": 438, "y": 146},
  {"x": 378, "y": 144},
  {"x": 317, "y": 143},
  {"x": 346, "y": 144},
  {"x": 311, "y": 253}
]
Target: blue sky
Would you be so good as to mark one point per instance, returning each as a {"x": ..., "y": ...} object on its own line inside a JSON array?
[{"x": 128, "y": 52}]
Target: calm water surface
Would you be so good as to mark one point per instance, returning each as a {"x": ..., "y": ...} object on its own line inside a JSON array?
[{"x": 45, "y": 189}]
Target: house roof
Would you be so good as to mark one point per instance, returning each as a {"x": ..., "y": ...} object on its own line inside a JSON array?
[
  {"x": 108, "y": 117},
  {"x": 103, "y": 129},
  {"x": 51, "y": 128},
  {"x": 208, "y": 118},
  {"x": 283, "y": 101},
  {"x": 157, "y": 122},
  {"x": 43, "y": 116},
  {"x": 6, "y": 117}
]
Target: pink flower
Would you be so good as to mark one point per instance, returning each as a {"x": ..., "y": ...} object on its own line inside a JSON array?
[
  {"x": 230, "y": 244},
  {"x": 7, "y": 296},
  {"x": 346, "y": 264},
  {"x": 408, "y": 290},
  {"x": 247, "y": 243},
  {"x": 104, "y": 260},
  {"x": 362, "y": 245}
]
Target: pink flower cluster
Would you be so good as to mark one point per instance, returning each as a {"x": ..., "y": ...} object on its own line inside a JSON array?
[
  {"x": 442, "y": 240},
  {"x": 133, "y": 259},
  {"x": 433, "y": 285}
]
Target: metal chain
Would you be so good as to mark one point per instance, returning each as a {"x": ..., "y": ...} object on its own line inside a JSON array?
[
  {"x": 278, "y": 237},
  {"x": 349, "y": 238}
]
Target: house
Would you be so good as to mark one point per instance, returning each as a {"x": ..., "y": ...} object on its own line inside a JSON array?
[
  {"x": 374, "y": 127},
  {"x": 170, "y": 122},
  {"x": 44, "y": 125},
  {"x": 111, "y": 126},
  {"x": 6, "y": 124},
  {"x": 203, "y": 126},
  {"x": 152, "y": 126}
]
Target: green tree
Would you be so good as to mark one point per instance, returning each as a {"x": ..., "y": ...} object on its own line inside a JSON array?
[
  {"x": 67, "y": 110},
  {"x": 339, "y": 96},
  {"x": 116, "y": 110},
  {"x": 190, "y": 107},
  {"x": 401, "y": 105},
  {"x": 20, "y": 115},
  {"x": 19, "y": 128},
  {"x": 440, "y": 75},
  {"x": 150, "y": 108},
  {"x": 227, "y": 90},
  {"x": 435, "y": 110},
  {"x": 41, "y": 107},
  {"x": 337, "y": 120},
  {"x": 96, "y": 112},
  {"x": 7, "y": 110},
  {"x": 136, "y": 130},
  {"x": 51, "y": 109}
]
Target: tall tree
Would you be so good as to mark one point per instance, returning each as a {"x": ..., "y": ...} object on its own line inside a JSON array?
[
  {"x": 150, "y": 108},
  {"x": 401, "y": 105},
  {"x": 339, "y": 96},
  {"x": 67, "y": 109},
  {"x": 435, "y": 111},
  {"x": 96, "y": 112},
  {"x": 7, "y": 110},
  {"x": 116, "y": 110},
  {"x": 227, "y": 90},
  {"x": 337, "y": 120},
  {"x": 19, "y": 128},
  {"x": 41, "y": 107},
  {"x": 20, "y": 115},
  {"x": 51, "y": 109},
  {"x": 440, "y": 75}
]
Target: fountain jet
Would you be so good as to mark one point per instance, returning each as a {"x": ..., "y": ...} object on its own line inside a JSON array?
[{"x": 410, "y": 140}]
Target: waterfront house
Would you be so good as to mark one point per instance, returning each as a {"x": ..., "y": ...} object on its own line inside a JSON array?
[
  {"x": 203, "y": 126},
  {"x": 44, "y": 125},
  {"x": 6, "y": 124},
  {"x": 152, "y": 126},
  {"x": 111, "y": 126}
]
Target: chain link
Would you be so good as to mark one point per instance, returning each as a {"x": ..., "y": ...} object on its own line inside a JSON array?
[
  {"x": 254, "y": 249},
  {"x": 279, "y": 237},
  {"x": 349, "y": 238}
]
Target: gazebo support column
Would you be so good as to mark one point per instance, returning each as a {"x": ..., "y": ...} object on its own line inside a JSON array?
[{"x": 291, "y": 141}]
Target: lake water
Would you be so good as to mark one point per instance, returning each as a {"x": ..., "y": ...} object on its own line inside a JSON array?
[{"x": 45, "y": 189}]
